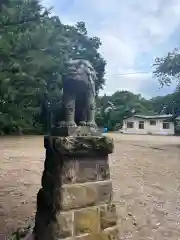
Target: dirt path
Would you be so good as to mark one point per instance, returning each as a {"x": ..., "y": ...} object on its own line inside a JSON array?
[{"x": 146, "y": 177}]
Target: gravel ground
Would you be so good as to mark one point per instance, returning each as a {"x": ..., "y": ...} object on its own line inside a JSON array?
[{"x": 146, "y": 179}]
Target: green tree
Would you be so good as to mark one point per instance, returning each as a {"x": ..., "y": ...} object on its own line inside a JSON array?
[
  {"x": 169, "y": 104},
  {"x": 125, "y": 104},
  {"x": 167, "y": 69},
  {"x": 86, "y": 47}
]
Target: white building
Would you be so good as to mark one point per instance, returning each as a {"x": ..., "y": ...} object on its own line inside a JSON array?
[{"x": 158, "y": 124}]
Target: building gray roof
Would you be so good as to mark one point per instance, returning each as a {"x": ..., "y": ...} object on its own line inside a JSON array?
[
  {"x": 165, "y": 116},
  {"x": 154, "y": 116}
]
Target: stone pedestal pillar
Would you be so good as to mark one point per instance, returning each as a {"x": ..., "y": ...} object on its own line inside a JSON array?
[{"x": 74, "y": 202}]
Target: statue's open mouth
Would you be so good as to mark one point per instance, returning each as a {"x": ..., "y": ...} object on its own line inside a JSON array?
[{"x": 72, "y": 72}]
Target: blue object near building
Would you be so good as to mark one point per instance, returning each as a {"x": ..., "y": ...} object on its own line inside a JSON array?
[{"x": 105, "y": 130}]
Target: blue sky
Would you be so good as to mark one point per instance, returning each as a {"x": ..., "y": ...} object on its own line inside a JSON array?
[{"x": 133, "y": 33}]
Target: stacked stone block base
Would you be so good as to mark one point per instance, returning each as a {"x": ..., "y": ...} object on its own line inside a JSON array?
[{"x": 75, "y": 201}]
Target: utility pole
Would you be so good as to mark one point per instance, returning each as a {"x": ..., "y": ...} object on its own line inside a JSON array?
[
  {"x": 173, "y": 108},
  {"x": 108, "y": 110},
  {"x": 49, "y": 116}
]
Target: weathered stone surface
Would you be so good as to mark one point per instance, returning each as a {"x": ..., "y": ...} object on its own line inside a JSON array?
[
  {"x": 53, "y": 228},
  {"x": 83, "y": 195},
  {"x": 58, "y": 227},
  {"x": 65, "y": 131},
  {"x": 75, "y": 199},
  {"x": 92, "y": 169},
  {"x": 49, "y": 145},
  {"x": 109, "y": 234},
  {"x": 44, "y": 213},
  {"x": 86, "y": 170},
  {"x": 103, "y": 169},
  {"x": 44, "y": 201},
  {"x": 95, "y": 236},
  {"x": 112, "y": 233},
  {"x": 62, "y": 227},
  {"x": 108, "y": 216},
  {"x": 47, "y": 181},
  {"x": 50, "y": 163},
  {"x": 69, "y": 172},
  {"x": 41, "y": 229},
  {"x": 104, "y": 192},
  {"x": 82, "y": 146},
  {"x": 86, "y": 221}
]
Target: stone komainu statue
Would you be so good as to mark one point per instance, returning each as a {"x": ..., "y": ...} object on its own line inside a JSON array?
[{"x": 79, "y": 94}]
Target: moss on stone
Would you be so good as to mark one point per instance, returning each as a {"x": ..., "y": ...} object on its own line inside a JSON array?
[{"x": 86, "y": 145}]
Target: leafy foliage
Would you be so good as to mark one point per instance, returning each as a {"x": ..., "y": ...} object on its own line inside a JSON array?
[
  {"x": 168, "y": 68},
  {"x": 169, "y": 104}
]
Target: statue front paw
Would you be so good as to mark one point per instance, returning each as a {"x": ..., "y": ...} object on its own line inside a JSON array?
[
  {"x": 91, "y": 124},
  {"x": 70, "y": 124},
  {"x": 82, "y": 123},
  {"x": 61, "y": 124}
]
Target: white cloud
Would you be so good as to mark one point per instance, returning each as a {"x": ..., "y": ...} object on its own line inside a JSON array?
[
  {"x": 115, "y": 48},
  {"x": 127, "y": 30},
  {"x": 131, "y": 82}
]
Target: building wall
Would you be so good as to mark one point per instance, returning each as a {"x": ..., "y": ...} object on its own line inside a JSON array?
[{"x": 148, "y": 129}]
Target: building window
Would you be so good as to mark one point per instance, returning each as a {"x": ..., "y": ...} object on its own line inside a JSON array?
[
  {"x": 166, "y": 125},
  {"x": 130, "y": 125},
  {"x": 141, "y": 124},
  {"x": 152, "y": 122}
]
